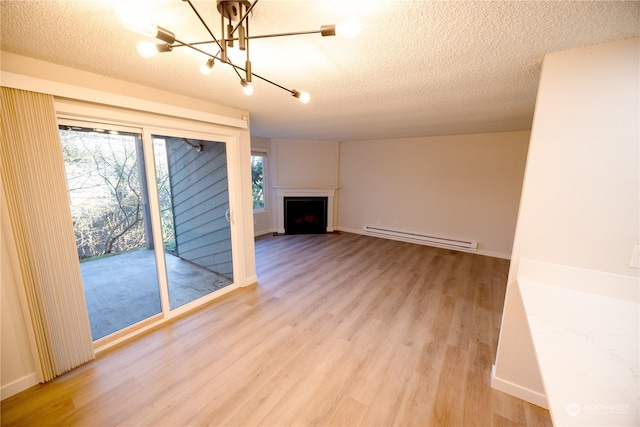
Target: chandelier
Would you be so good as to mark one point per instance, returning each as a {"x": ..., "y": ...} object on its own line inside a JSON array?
[{"x": 234, "y": 28}]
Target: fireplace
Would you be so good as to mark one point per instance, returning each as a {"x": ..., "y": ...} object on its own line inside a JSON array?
[
  {"x": 282, "y": 192},
  {"x": 305, "y": 215}
]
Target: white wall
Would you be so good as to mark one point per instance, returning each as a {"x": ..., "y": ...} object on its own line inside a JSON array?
[
  {"x": 460, "y": 186},
  {"x": 306, "y": 163},
  {"x": 580, "y": 200}
]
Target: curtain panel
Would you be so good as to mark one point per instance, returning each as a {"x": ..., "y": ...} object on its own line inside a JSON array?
[{"x": 35, "y": 187}]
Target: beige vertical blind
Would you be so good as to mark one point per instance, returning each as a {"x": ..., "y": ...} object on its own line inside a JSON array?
[{"x": 34, "y": 182}]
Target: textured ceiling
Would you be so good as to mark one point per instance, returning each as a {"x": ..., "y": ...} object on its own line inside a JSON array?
[{"x": 419, "y": 68}]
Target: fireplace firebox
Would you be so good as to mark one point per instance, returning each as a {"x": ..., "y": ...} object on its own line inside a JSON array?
[{"x": 305, "y": 215}]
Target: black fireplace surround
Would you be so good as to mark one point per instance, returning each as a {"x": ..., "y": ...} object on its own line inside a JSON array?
[{"x": 305, "y": 215}]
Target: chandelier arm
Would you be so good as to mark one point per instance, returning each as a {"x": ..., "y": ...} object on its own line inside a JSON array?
[
  {"x": 296, "y": 33},
  {"x": 245, "y": 33},
  {"x": 189, "y": 45},
  {"x": 291, "y": 91},
  {"x": 237, "y": 67},
  {"x": 244, "y": 18},
  {"x": 204, "y": 23},
  {"x": 195, "y": 44},
  {"x": 264, "y": 36},
  {"x": 234, "y": 66}
]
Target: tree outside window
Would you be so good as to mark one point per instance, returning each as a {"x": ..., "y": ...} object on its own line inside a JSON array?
[
  {"x": 103, "y": 180},
  {"x": 257, "y": 180}
]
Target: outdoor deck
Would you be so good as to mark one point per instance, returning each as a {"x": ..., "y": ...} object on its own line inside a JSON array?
[{"x": 123, "y": 289}]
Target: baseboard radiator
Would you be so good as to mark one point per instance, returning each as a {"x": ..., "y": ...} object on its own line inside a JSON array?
[{"x": 422, "y": 238}]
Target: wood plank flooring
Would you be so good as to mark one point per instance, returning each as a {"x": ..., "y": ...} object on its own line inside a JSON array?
[{"x": 342, "y": 330}]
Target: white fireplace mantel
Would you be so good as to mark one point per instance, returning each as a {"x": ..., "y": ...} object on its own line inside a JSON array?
[{"x": 282, "y": 192}]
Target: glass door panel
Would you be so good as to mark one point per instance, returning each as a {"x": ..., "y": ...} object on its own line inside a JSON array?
[
  {"x": 193, "y": 192},
  {"x": 110, "y": 212}
]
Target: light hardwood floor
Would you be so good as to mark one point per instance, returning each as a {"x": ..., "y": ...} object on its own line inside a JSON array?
[{"x": 342, "y": 330}]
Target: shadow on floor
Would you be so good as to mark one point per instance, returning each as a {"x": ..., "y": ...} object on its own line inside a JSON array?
[{"x": 121, "y": 290}]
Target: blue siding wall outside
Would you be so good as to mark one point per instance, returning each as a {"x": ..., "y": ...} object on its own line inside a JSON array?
[{"x": 200, "y": 197}]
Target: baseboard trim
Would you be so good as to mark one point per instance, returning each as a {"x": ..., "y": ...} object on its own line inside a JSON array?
[
  {"x": 18, "y": 385},
  {"x": 262, "y": 232},
  {"x": 478, "y": 252},
  {"x": 515, "y": 390}
]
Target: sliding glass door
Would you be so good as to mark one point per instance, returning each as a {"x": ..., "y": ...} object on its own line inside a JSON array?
[
  {"x": 153, "y": 232},
  {"x": 111, "y": 219},
  {"x": 193, "y": 187}
]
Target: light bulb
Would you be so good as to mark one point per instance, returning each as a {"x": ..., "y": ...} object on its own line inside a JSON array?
[
  {"x": 132, "y": 22},
  {"x": 247, "y": 88},
  {"x": 350, "y": 28},
  {"x": 304, "y": 97},
  {"x": 147, "y": 49},
  {"x": 206, "y": 67}
]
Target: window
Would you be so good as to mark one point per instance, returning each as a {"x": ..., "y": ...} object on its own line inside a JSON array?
[{"x": 258, "y": 161}]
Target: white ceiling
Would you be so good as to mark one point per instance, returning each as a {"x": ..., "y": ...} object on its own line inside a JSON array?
[{"x": 419, "y": 68}]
